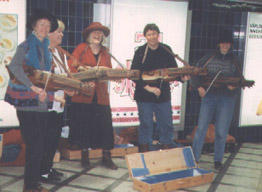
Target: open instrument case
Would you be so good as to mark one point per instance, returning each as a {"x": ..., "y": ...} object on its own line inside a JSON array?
[{"x": 166, "y": 170}]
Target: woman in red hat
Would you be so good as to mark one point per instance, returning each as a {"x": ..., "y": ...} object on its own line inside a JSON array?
[{"x": 90, "y": 116}]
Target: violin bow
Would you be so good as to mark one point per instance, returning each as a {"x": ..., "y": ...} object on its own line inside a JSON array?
[
  {"x": 68, "y": 54},
  {"x": 175, "y": 56},
  {"x": 117, "y": 61},
  {"x": 63, "y": 65},
  {"x": 48, "y": 78},
  {"x": 213, "y": 81}
]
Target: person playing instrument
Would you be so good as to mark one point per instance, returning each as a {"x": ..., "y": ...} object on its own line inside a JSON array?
[
  {"x": 32, "y": 102},
  {"x": 49, "y": 174},
  {"x": 218, "y": 102},
  {"x": 154, "y": 98},
  {"x": 90, "y": 117}
]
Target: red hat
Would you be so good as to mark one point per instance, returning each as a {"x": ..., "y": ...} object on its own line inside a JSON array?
[{"x": 93, "y": 27}]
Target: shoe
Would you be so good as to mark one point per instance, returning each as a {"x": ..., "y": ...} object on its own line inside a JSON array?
[
  {"x": 166, "y": 146},
  {"x": 143, "y": 148},
  {"x": 107, "y": 160},
  {"x": 218, "y": 165},
  {"x": 39, "y": 188},
  {"x": 85, "y": 158},
  {"x": 56, "y": 173},
  {"x": 53, "y": 177},
  {"x": 197, "y": 164}
]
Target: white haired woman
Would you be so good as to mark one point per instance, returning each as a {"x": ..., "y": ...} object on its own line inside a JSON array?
[{"x": 90, "y": 117}]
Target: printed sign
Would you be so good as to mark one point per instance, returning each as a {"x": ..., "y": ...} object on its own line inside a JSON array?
[
  {"x": 251, "y": 97},
  {"x": 129, "y": 18},
  {"x": 12, "y": 20}
]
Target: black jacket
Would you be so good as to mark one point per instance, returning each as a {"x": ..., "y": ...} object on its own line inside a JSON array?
[{"x": 155, "y": 59}]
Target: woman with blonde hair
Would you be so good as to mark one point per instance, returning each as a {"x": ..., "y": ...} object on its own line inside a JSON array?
[{"x": 55, "y": 118}]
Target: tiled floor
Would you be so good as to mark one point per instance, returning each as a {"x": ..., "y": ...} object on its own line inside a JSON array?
[{"x": 242, "y": 173}]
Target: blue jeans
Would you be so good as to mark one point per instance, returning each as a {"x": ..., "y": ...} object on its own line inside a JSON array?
[
  {"x": 223, "y": 108},
  {"x": 163, "y": 114}
]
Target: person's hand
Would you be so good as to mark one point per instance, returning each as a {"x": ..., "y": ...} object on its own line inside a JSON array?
[
  {"x": 60, "y": 99},
  {"x": 201, "y": 91},
  {"x": 75, "y": 62},
  {"x": 70, "y": 92},
  {"x": 154, "y": 90},
  {"x": 185, "y": 78},
  {"x": 231, "y": 88},
  {"x": 83, "y": 68},
  {"x": 41, "y": 92},
  {"x": 90, "y": 84}
]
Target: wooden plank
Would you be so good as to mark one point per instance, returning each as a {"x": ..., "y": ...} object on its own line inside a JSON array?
[
  {"x": 121, "y": 152},
  {"x": 173, "y": 184},
  {"x": 57, "y": 157},
  {"x": 97, "y": 153},
  {"x": 1, "y": 145}
]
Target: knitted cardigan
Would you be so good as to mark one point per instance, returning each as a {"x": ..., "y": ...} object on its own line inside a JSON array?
[
  {"x": 20, "y": 95},
  {"x": 85, "y": 56}
]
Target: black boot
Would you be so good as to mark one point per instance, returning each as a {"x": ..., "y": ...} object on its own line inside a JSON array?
[
  {"x": 143, "y": 148},
  {"x": 85, "y": 158},
  {"x": 107, "y": 160},
  {"x": 218, "y": 165},
  {"x": 166, "y": 146}
]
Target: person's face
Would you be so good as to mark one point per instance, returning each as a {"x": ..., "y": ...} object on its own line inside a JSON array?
[
  {"x": 95, "y": 37},
  {"x": 224, "y": 47},
  {"x": 152, "y": 37},
  {"x": 56, "y": 37},
  {"x": 42, "y": 28}
]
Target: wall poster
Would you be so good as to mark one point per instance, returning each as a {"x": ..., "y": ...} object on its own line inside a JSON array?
[
  {"x": 252, "y": 97},
  {"x": 128, "y": 19},
  {"x": 12, "y": 32}
]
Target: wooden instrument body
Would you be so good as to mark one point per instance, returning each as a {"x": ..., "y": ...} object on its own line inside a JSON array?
[
  {"x": 224, "y": 81},
  {"x": 55, "y": 82},
  {"x": 171, "y": 74},
  {"x": 101, "y": 73}
]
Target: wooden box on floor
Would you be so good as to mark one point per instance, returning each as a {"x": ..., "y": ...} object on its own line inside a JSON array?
[
  {"x": 166, "y": 170},
  {"x": 1, "y": 145},
  {"x": 118, "y": 151},
  {"x": 76, "y": 154},
  {"x": 123, "y": 149},
  {"x": 57, "y": 157}
]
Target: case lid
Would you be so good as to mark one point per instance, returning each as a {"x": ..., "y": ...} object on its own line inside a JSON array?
[
  {"x": 1, "y": 144},
  {"x": 154, "y": 162}
]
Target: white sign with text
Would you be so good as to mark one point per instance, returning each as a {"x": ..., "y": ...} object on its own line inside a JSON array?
[
  {"x": 251, "y": 97},
  {"x": 129, "y": 18}
]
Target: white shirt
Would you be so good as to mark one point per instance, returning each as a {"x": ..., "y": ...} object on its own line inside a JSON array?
[{"x": 58, "y": 69}]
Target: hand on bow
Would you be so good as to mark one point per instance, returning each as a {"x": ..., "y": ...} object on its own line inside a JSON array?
[
  {"x": 185, "y": 78},
  {"x": 154, "y": 90},
  {"x": 41, "y": 92},
  {"x": 231, "y": 88},
  {"x": 201, "y": 91},
  {"x": 70, "y": 92}
]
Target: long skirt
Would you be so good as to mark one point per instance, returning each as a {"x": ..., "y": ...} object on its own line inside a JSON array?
[{"x": 91, "y": 126}]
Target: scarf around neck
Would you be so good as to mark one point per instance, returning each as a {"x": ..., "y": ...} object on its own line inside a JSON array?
[{"x": 33, "y": 55}]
